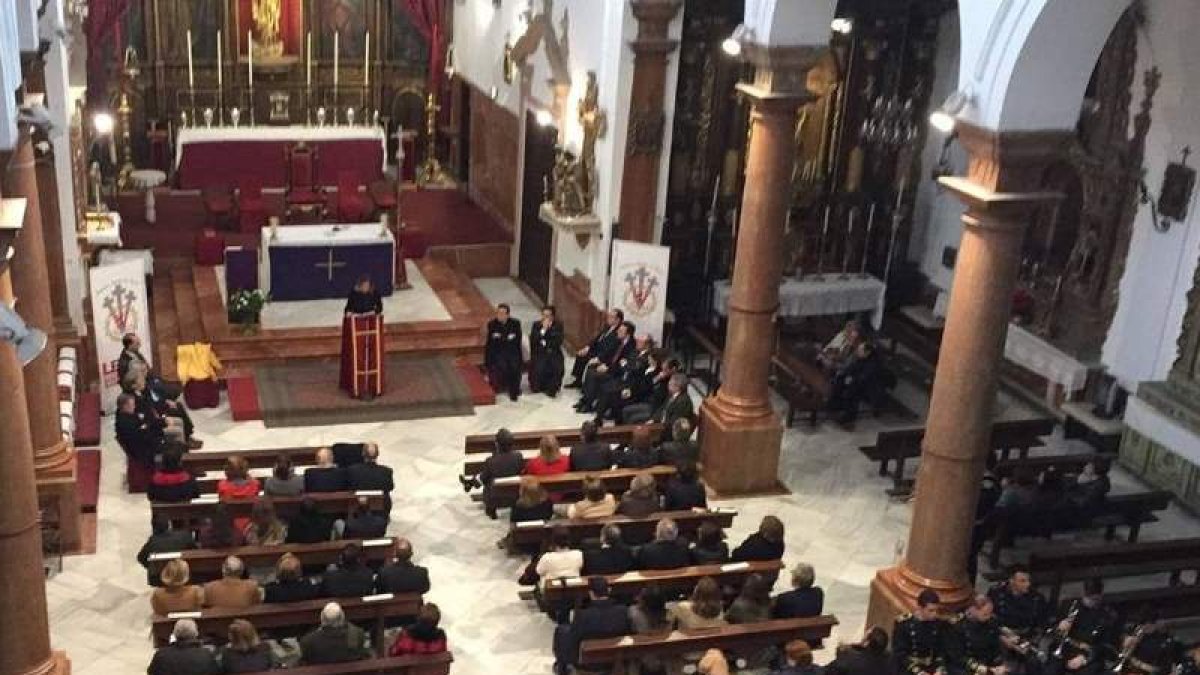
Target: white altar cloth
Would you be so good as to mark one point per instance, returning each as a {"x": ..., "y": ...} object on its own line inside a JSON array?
[
  {"x": 286, "y": 134},
  {"x": 812, "y": 296},
  {"x": 1033, "y": 353}
]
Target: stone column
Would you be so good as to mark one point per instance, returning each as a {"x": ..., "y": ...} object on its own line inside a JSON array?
[
  {"x": 740, "y": 433},
  {"x": 53, "y": 455},
  {"x": 24, "y": 626},
  {"x": 643, "y": 147},
  {"x": 1000, "y": 195}
]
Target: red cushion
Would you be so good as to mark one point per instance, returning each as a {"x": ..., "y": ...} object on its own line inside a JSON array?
[
  {"x": 202, "y": 394},
  {"x": 87, "y": 420},
  {"x": 243, "y": 398}
]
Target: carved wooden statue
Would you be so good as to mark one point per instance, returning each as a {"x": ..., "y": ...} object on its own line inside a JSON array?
[{"x": 575, "y": 180}]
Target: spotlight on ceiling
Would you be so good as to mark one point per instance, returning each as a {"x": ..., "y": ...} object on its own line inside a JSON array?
[
  {"x": 544, "y": 118},
  {"x": 29, "y": 342},
  {"x": 842, "y": 25},
  {"x": 733, "y": 44},
  {"x": 102, "y": 122},
  {"x": 945, "y": 118}
]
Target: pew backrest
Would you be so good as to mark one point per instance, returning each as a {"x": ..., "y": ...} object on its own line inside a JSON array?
[
  {"x": 199, "y": 461},
  {"x": 533, "y": 533},
  {"x": 734, "y": 636},
  {"x": 682, "y": 580},
  {"x": 205, "y": 563},
  {"x": 417, "y": 664},
  {"x": 528, "y": 440},
  {"x": 334, "y": 503}
]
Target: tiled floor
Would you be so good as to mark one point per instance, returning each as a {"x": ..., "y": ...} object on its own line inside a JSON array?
[{"x": 837, "y": 517}]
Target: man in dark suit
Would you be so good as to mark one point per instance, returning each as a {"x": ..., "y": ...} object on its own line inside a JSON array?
[
  {"x": 402, "y": 575},
  {"x": 504, "y": 462},
  {"x": 365, "y": 523},
  {"x": 666, "y": 552},
  {"x": 804, "y": 600},
  {"x": 613, "y": 556},
  {"x": 325, "y": 476},
  {"x": 370, "y": 475},
  {"x": 140, "y": 435},
  {"x": 677, "y": 406},
  {"x": 351, "y": 578},
  {"x": 869, "y": 657},
  {"x": 598, "y": 349},
  {"x": 335, "y": 641},
  {"x": 591, "y": 454},
  {"x": 600, "y": 376},
  {"x": 602, "y": 618},
  {"x": 163, "y": 539},
  {"x": 681, "y": 447},
  {"x": 631, "y": 383}
]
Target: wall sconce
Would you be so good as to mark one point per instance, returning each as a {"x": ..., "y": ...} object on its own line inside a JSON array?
[
  {"x": 732, "y": 45},
  {"x": 1179, "y": 181},
  {"x": 945, "y": 117},
  {"x": 841, "y": 25}
]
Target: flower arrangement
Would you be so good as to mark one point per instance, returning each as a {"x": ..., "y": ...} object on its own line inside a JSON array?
[{"x": 245, "y": 307}]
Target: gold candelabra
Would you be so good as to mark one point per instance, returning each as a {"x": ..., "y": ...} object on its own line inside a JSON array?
[{"x": 430, "y": 170}]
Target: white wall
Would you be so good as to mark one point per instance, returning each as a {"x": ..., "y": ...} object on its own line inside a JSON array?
[{"x": 1158, "y": 273}]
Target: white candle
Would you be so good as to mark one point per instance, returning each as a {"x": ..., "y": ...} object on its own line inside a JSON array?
[
  {"x": 367, "y": 61},
  {"x": 218, "y": 61},
  {"x": 335, "y": 61},
  {"x": 308, "y": 72},
  {"x": 250, "y": 55},
  {"x": 191, "y": 72}
]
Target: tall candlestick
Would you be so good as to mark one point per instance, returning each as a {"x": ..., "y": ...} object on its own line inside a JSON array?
[
  {"x": 308, "y": 68},
  {"x": 367, "y": 61},
  {"x": 821, "y": 245},
  {"x": 218, "y": 61},
  {"x": 220, "y": 80},
  {"x": 336, "y": 38},
  {"x": 250, "y": 55},
  {"x": 850, "y": 218},
  {"x": 867, "y": 242},
  {"x": 191, "y": 71}
]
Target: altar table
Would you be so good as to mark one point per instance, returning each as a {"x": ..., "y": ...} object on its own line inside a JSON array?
[
  {"x": 812, "y": 295},
  {"x": 208, "y": 156},
  {"x": 1039, "y": 356},
  {"x": 311, "y": 262}
]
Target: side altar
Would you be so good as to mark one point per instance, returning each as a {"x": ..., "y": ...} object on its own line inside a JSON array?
[{"x": 312, "y": 262}]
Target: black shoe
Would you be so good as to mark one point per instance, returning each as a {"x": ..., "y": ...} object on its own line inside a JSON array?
[
  {"x": 468, "y": 483},
  {"x": 552, "y": 394},
  {"x": 573, "y": 384},
  {"x": 512, "y": 397},
  {"x": 586, "y": 408},
  {"x": 491, "y": 513}
]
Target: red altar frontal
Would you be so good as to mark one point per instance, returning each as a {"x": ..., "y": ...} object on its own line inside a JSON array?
[{"x": 223, "y": 156}]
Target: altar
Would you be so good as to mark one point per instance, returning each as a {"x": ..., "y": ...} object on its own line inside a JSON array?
[
  {"x": 311, "y": 262},
  {"x": 208, "y": 156},
  {"x": 817, "y": 295}
]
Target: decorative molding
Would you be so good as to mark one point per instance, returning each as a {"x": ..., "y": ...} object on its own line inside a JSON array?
[{"x": 646, "y": 129}]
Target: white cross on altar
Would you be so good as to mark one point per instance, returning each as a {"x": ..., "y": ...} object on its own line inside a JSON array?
[{"x": 331, "y": 264}]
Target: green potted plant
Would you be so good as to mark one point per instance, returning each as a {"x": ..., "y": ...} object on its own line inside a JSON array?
[{"x": 245, "y": 308}]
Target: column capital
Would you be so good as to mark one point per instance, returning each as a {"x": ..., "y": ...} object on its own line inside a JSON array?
[
  {"x": 780, "y": 73},
  {"x": 654, "y": 21},
  {"x": 1011, "y": 161},
  {"x": 996, "y": 210}
]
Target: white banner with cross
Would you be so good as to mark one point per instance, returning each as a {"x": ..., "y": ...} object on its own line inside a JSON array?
[
  {"x": 638, "y": 284},
  {"x": 119, "y": 306}
]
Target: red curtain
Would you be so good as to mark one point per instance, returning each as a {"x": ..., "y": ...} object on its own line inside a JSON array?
[
  {"x": 428, "y": 17},
  {"x": 103, "y": 29}
]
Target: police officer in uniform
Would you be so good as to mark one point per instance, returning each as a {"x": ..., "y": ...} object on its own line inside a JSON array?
[
  {"x": 922, "y": 642},
  {"x": 1148, "y": 649},
  {"x": 1023, "y": 613},
  {"x": 1086, "y": 634},
  {"x": 978, "y": 649}
]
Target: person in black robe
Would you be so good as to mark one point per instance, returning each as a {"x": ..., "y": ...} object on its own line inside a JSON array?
[
  {"x": 599, "y": 349},
  {"x": 363, "y": 299},
  {"x": 502, "y": 355},
  {"x": 545, "y": 353},
  {"x": 598, "y": 376}
]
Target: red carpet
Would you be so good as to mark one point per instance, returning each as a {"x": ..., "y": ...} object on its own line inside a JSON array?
[
  {"x": 87, "y": 478},
  {"x": 87, "y": 420},
  {"x": 243, "y": 398},
  {"x": 477, "y": 384},
  {"x": 443, "y": 217}
]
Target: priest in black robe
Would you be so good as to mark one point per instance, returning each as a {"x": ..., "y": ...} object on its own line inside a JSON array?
[
  {"x": 545, "y": 353},
  {"x": 362, "y": 349},
  {"x": 502, "y": 355}
]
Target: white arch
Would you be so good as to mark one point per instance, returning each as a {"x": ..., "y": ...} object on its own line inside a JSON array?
[
  {"x": 1028, "y": 62},
  {"x": 789, "y": 23}
]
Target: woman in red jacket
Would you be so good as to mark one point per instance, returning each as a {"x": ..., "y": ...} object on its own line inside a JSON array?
[
  {"x": 550, "y": 461},
  {"x": 238, "y": 485},
  {"x": 423, "y": 636}
]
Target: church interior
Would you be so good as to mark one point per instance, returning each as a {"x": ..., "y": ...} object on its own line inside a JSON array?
[{"x": 599, "y": 336}]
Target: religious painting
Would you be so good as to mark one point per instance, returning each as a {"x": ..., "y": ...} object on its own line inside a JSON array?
[
  {"x": 407, "y": 45},
  {"x": 277, "y": 26},
  {"x": 348, "y": 18}
]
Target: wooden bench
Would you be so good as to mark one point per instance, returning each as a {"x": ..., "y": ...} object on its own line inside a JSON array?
[
  {"x": 1130, "y": 510},
  {"x": 1051, "y": 567},
  {"x": 678, "y": 581},
  {"x": 699, "y": 341},
  {"x": 336, "y": 503},
  {"x": 900, "y": 445},
  {"x": 532, "y": 534},
  {"x": 1173, "y": 602},
  {"x": 737, "y": 637},
  {"x": 290, "y": 619},
  {"x": 205, "y": 563},
  {"x": 803, "y": 384},
  {"x": 506, "y": 490},
  {"x": 422, "y": 664},
  {"x": 1067, "y": 464},
  {"x": 1102, "y": 434},
  {"x": 529, "y": 440},
  {"x": 200, "y": 461}
]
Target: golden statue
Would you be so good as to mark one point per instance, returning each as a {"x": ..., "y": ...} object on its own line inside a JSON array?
[
  {"x": 575, "y": 179},
  {"x": 266, "y": 15}
]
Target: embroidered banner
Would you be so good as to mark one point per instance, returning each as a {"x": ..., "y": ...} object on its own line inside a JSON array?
[
  {"x": 638, "y": 285},
  {"x": 119, "y": 306}
]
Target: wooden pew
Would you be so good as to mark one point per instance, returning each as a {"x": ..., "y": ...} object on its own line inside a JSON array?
[
  {"x": 200, "y": 461},
  {"x": 1069, "y": 463},
  {"x": 337, "y": 503},
  {"x": 738, "y": 637},
  {"x": 1130, "y": 510},
  {"x": 528, "y": 440},
  {"x": 423, "y": 664},
  {"x": 1173, "y": 602},
  {"x": 290, "y": 619},
  {"x": 533, "y": 534},
  {"x": 802, "y": 383},
  {"x": 506, "y": 490},
  {"x": 900, "y": 445},
  {"x": 1051, "y": 567},
  {"x": 682, "y": 580},
  {"x": 205, "y": 563},
  {"x": 698, "y": 340}
]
